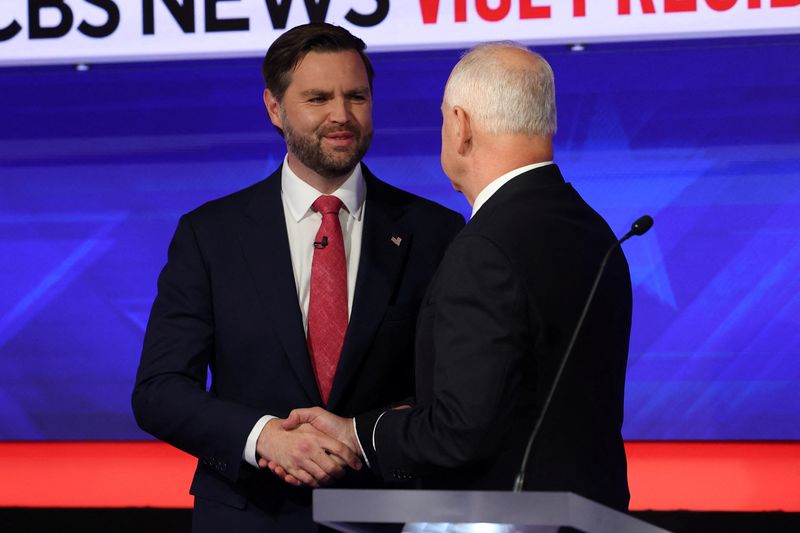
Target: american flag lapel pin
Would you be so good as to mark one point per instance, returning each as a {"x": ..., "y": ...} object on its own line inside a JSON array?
[{"x": 396, "y": 240}]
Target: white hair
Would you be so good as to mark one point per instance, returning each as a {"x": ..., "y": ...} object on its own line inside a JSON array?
[{"x": 504, "y": 98}]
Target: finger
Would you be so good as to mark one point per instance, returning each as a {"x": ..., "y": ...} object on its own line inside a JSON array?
[
  {"x": 292, "y": 421},
  {"x": 277, "y": 469},
  {"x": 332, "y": 464},
  {"x": 291, "y": 480},
  {"x": 303, "y": 477},
  {"x": 325, "y": 461},
  {"x": 348, "y": 459},
  {"x": 341, "y": 450},
  {"x": 313, "y": 461},
  {"x": 338, "y": 459},
  {"x": 333, "y": 469},
  {"x": 321, "y": 469},
  {"x": 300, "y": 416},
  {"x": 281, "y": 473}
]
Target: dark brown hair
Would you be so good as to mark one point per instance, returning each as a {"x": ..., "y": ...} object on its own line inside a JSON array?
[{"x": 291, "y": 47}]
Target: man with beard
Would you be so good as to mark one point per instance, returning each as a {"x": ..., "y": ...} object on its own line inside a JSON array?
[{"x": 301, "y": 290}]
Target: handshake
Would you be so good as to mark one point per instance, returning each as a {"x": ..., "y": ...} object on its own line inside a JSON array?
[{"x": 310, "y": 447}]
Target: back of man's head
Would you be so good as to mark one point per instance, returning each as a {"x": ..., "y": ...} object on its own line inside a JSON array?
[
  {"x": 290, "y": 48},
  {"x": 506, "y": 89}
]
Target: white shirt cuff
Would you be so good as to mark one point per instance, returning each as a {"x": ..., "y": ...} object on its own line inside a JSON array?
[
  {"x": 374, "y": 428},
  {"x": 360, "y": 447},
  {"x": 249, "y": 453}
]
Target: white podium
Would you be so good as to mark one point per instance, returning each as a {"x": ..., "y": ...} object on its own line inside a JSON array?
[{"x": 424, "y": 511}]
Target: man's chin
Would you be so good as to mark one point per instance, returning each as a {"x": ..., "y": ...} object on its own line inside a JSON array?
[
  {"x": 342, "y": 162},
  {"x": 341, "y": 153},
  {"x": 336, "y": 171}
]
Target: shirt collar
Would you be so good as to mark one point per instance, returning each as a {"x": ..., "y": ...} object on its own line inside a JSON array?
[
  {"x": 495, "y": 185},
  {"x": 299, "y": 195}
]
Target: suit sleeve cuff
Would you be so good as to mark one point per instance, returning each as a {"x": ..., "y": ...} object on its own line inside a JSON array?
[
  {"x": 365, "y": 426},
  {"x": 249, "y": 454}
]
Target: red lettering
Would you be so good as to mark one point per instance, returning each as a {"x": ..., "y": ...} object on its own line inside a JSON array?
[
  {"x": 679, "y": 6},
  {"x": 721, "y": 5},
  {"x": 430, "y": 11},
  {"x": 493, "y": 15},
  {"x": 756, "y": 4},
  {"x": 461, "y": 10},
  {"x": 625, "y": 7},
  {"x": 430, "y": 8},
  {"x": 528, "y": 11}
]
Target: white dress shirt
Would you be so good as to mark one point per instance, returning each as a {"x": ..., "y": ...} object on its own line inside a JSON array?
[{"x": 302, "y": 224}]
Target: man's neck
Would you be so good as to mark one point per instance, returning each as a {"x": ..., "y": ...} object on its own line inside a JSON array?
[{"x": 500, "y": 154}]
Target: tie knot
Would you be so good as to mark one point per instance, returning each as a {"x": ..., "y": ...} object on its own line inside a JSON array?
[{"x": 327, "y": 205}]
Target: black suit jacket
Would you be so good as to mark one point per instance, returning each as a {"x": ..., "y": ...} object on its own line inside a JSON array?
[
  {"x": 490, "y": 336},
  {"x": 227, "y": 303}
]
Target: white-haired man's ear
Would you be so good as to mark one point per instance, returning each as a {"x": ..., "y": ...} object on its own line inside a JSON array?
[{"x": 462, "y": 129}]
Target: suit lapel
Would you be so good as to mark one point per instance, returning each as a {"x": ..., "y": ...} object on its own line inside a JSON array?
[
  {"x": 384, "y": 246},
  {"x": 266, "y": 250}
]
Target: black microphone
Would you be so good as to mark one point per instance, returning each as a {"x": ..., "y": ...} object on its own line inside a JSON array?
[
  {"x": 324, "y": 242},
  {"x": 639, "y": 227}
]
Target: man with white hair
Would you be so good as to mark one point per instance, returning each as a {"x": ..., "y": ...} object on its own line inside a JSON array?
[{"x": 498, "y": 316}]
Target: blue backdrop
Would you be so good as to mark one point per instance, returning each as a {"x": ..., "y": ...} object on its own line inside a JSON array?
[{"x": 96, "y": 167}]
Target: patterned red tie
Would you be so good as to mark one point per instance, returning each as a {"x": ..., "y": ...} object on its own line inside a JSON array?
[{"x": 327, "y": 307}]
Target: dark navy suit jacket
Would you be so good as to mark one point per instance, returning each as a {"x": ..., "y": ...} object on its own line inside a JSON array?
[{"x": 227, "y": 302}]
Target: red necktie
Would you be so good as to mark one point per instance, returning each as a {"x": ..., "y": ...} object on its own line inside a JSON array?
[{"x": 327, "y": 306}]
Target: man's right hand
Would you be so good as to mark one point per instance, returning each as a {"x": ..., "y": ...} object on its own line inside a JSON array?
[{"x": 308, "y": 456}]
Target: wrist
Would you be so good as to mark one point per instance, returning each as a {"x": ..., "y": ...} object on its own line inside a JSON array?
[
  {"x": 263, "y": 442},
  {"x": 251, "y": 452}
]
